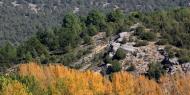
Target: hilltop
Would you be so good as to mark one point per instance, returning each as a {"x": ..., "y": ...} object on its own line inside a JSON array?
[{"x": 22, "y": 18}]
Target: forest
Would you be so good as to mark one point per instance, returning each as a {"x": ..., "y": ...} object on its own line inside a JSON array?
[
  {"x": 44, "y": 58},
  {"x": 59, "y": 44},
  {"x": 54, "y": 79},
  {"x": 20, "y": 19}
]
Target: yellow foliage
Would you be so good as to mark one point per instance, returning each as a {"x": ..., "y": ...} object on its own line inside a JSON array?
[
  {"x": 123, "y": 84},
  {"x": 65, "y": 81},
  {"x": 83, "y": 83},
  {"x": 14, "y": 88}
]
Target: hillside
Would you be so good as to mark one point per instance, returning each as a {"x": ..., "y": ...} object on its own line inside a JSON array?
[
  {"x": 141, "y": 53},
  {"x": 22, "y": 18},
  {"x": 111, "y": 42},
  {"x": 59, "y": 80}
]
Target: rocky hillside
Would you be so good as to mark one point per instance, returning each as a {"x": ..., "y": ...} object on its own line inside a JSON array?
[{"x": 22, "y": 18}]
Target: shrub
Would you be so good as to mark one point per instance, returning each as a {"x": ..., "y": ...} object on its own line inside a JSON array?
[
  {"x": 87, "y": 40},
  {"x": 184, "y": 59},
  {"x": 149, "y": 36},
  {"x": 131, "y": 68},
  {"x": 116, "y": 66},
  {"x": 162, "y": 42},
  {"x": 92, "y": 30},
  {"x": 141, "y": 43},
  {"x": 139, "y": 30},
  {"x": 155, "y": 71},
  {"x": 120, "y": 54},
  {"x": 171, "y": 54}
]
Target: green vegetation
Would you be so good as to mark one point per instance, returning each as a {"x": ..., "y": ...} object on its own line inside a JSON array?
[
  {"x": 116, "y": 66},
  {"x": 144, "y": 35},
  {"x": 120, "y": 54},
  {"x": 21, "y": 21},
  {"x": 184, "y": 59},
  {"x": 141, "y": 43},
  {"x": 61, "y": 44},
  {"x": 162, "y": 42},
  {"x": 172, "y": 25},
  {"x": 155, "y": 71}
]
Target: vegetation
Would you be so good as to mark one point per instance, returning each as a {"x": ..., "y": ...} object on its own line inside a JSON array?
[
  {"x": 58, "y": 80},
  {"x": 60, "y": 44},
  {"x": 155, "y": 71},
  {"x": 162, "y": 42},
  {"x": 116, "y": 66},
  {"x": 120, "y": 54},
  {"x": 141, "y": 43},
  {"x": 21, "y": 19},
  {"x": 144, "y": 35}
]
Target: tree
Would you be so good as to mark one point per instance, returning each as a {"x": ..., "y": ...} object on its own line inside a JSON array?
[
  {"x": 8, "y": 53},
  {"x": 116, "y": 16},
  {"x": 69, "y": 38},
  {"x": 72, "y": 22},
  {"x": 120, "y": 54},
  {"x": 69, "y": 35},
  {"x": 33, "y": 44},
  {"x": 28, "y": 57},
  {"x": 31, "y": 48},
  {"x": 92, "y": 30},
  {"x": 96, "y": 18},
  {"x": 109, "y": 30},
  {"x": 48, "y": 38},
  {"x": 87, "y": 40}
]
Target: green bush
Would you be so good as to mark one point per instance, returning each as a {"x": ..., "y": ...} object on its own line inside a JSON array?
[
  {"x": 87, "y": 40},
  {"x": 141, "y": 43},
  {"x": 92, "y": 30},
  {"x": 139, "y": 30},
  {"x": 155, "y": 71},
  {"x": 120, "y": 54},
  {"x": 162, "y": 42},
  {"x": 149, "y": 36},
  {"x": 184, "y": 59},
  {"x": 116, "y": 66}
]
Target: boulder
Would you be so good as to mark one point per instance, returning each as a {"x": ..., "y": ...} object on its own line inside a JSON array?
[
  {"x": 128, "y": 48},
  {"x": 115, "y": 46},
  {"x": 123, "y": 34},
  {"x": 111, "y": 54}
]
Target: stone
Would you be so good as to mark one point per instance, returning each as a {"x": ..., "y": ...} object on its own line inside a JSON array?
[
  {"x": 111, "y": 54},
  {"x": 128, "y": 48},
  {"x": 119, "y": 39},
  {"x": 115, "y": 46},
  {"x": 123, "y": 34}
]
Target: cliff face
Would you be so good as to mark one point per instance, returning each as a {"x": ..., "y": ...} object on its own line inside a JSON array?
[{"x": 21, "y": 18}]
